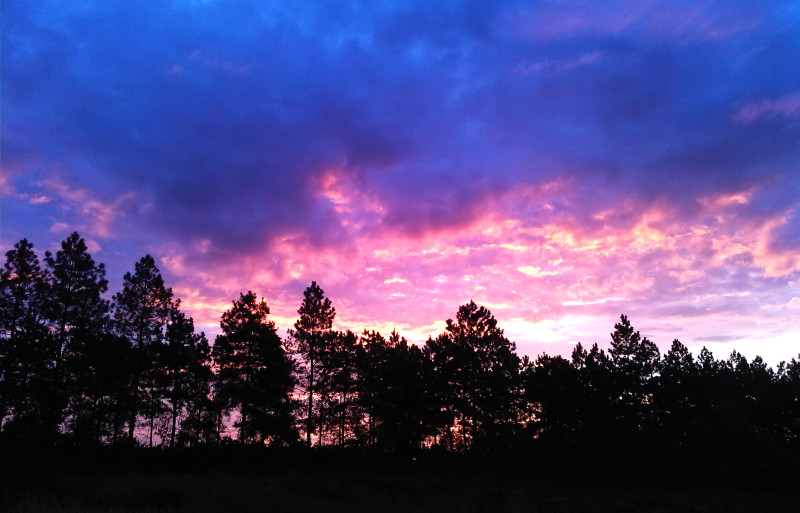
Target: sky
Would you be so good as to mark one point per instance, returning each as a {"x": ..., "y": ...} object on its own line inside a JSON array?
[{"x": 560, "y": 163}]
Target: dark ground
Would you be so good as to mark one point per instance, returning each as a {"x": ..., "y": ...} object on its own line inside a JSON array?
[
  {"x": 248, "y": 480},
  {"x": 384, "y": 493}
]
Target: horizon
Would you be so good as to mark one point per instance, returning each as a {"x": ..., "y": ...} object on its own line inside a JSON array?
[{"x": 558, "y": 165}]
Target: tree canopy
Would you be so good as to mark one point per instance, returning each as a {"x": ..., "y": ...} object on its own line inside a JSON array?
[{"x": 256, "y": 374}]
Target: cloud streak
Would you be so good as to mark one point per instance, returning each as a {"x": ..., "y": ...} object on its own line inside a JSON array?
[{"x": 787, "y": 106}]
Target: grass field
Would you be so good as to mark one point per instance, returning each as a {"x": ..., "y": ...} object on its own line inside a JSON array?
[{"x": 356, "y": 492}]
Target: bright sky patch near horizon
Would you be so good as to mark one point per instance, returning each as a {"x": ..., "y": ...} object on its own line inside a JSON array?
[{"x": 558, "y": 162}]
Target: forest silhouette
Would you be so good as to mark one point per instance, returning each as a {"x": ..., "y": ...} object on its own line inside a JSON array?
[{"x": 84, "y": 377}]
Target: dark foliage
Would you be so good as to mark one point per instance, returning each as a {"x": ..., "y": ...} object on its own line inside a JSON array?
[
  {"x": 256, "y": 374},
  {"x": 312, "y": 335},
  {"x": 476, "y": 375}
]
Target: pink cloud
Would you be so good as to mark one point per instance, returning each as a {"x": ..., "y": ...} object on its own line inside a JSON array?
[
  {"x": 6, "y": 187},
  {"x": 93, "y": 246},
  {"x": 90, "y": 216},
  {"x": 7, "y": 190},
  {"x": 785, "y": 106},
  {"x": 526, "y": 67},
  {"x": 539, "y": 278},
  {"x": 60, "y": 227},
  {"x": 653, "y": 19}
]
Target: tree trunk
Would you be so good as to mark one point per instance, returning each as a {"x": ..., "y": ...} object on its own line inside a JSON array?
[
  {"x": 137, "y": 361},
  {"x": 62, "y": 337},
  {"x": 309, "y": 420},
  {"x": 134, "y": 405},
  {"x": 174, "y": 422},
  {"x": 152, "y": 415},
  {"x": 219, "y": 426},
  {"x": 93, "y": 421},
  {"x": 243, "y": 421},
  {"x": 174, "y": 412},
  {"x": 116, "y": 427}
]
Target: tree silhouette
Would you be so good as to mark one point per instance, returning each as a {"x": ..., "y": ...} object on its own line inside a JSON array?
[
  {"x": 405, "y": 405},
  {"x": 337, "y": 389},
  {"x": 200, "y": 422},
  {"x": 674, "y": 399},
  {"x": 553, "y": 386},
  {"x": 141, "y": 311},
  {"x": 788, "y": 380},
  {"x": 76, "y": 286},
  {"x": 597, "y": 381},
  {"x": 635, "y": 361},
  {"x": 25, "y": 368},
  {"x": 371, "y": 359},
  {"x": 478, "y": 375},
  {"x": 311, "y": 334},
  {"x": 76, "y": 312},
  {"x": 185, "y": 359},
  {"x": 256, "y": 373}
]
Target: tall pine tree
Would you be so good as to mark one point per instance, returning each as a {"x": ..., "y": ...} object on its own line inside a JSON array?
[
  {"x": 76, "y": 312},
  {"x": 255, "y": 372},
  {"x": 312, "y": 333},
  {"x": 141, "y": 311},
  {"x": 184, "y": 359},
  {"x": 478, "y": 375},
  {"x": 25, "y": 344}
]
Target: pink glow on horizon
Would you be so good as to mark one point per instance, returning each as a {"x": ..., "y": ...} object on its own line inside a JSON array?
[{"x": 550, "y": 284}]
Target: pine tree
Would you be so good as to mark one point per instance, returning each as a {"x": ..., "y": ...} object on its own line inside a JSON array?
[
  {"x": 553, "y": 387},
  {"x": 25, "y": 343},
  {"x": 200, "y": 422},
  {"x": 76, "y": 312},
  {"x": 635, "y": 361},
  {"x": 75, "y": 304},
  {"x": 370, "y": 363},
  {"x": 479, "y": 376},
  {"x": 402, "y": 403},
  {"x": 185, "y": 363},
  {"x": 339, "y": 410},
  {"x": 255, "y": 372},
  {"x": 312, "y": 334},
  {"x": 141, "y": 311},
  {"x": 675, "y": 395}
]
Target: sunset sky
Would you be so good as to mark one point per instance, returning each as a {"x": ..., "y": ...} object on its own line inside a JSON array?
[{"x": 558, "y": 162}]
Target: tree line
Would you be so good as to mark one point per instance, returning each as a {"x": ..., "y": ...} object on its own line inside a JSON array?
[{"x": 78, "y": 368}]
